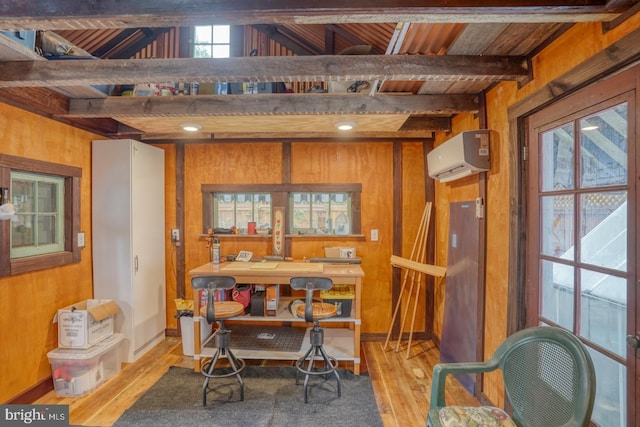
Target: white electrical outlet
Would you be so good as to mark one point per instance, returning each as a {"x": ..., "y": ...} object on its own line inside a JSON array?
[
  {"x": 374, "y": 235},
  {"x": 175, "y": 235}
]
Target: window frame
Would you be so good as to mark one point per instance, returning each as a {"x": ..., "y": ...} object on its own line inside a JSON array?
[
  {"x": 71, "y": 253},
  {"x": 36, "y": 248},
  {"x": 280, "y": 199},
  {"x": 213, "y": 42}
]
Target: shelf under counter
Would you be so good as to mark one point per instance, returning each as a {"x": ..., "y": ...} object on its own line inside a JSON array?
[
  {"x": 338, "y": 342},
  {"x": 342, "y": 333},
  {"x": 284, "y": 315}
]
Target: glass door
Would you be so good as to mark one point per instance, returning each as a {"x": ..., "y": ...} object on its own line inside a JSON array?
[{"x": 581, "y": 238}]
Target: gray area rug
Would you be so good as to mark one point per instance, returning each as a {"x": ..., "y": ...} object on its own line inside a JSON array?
[{"x": 271, "y": 398}]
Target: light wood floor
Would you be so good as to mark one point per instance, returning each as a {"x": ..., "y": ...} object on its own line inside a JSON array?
[{"x": 401, "y": 384}]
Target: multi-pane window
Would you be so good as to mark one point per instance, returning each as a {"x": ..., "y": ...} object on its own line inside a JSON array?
[
  {"x": 211, "y": 41},
  {"x": 38, "y": 226},
  {"x": 42, "y": 232},
  {"x": 320, "y": 213},
  {"x": 310, "y": 209},
  {"x": 238, "y": 209}
]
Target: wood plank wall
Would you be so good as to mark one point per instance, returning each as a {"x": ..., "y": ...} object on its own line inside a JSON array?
[
  {"x": 30, "y": 300},
  {"x": 341, "y": 162}
]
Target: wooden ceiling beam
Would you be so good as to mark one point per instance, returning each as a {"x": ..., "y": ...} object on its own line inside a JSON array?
[
  {"x": 73, "y": 15},
  {"x": 271, "y": 104},
  {"x": 427, "y": 123},
  {"x": 263, "y": 69}
]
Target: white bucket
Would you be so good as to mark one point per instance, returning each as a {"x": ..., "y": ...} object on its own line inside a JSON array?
[{"x": 186, "y": 326}]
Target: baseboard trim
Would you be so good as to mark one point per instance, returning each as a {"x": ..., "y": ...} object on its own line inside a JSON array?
[{"x": 34, "y": 393}]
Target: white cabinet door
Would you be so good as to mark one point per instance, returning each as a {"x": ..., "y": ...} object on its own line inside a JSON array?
[
  {"x": 148, "y": 242},
  {"x": 128, "y": 239}
]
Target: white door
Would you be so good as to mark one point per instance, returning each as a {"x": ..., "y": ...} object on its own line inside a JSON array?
[{"x": 148, "y": 243}]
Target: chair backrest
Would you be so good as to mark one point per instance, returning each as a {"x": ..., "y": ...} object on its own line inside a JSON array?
[
  {"x": 310, "y": 284},
  {"x": 549, "y": 377},
  {"x": 212, "y": 284}
]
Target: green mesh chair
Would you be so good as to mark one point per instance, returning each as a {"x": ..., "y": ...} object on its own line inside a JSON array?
[{"x": 548, "y": 377}]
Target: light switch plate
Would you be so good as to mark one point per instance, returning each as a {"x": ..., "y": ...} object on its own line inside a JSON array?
[
  {"x": 81, "y": 239},
  {"x": 374, "y": 235}
]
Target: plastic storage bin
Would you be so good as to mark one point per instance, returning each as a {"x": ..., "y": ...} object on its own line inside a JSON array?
[
  {"x": 186, "y": 327},
  {"x": 77, "y": 372},
  {"x": 342, "y": 297}
]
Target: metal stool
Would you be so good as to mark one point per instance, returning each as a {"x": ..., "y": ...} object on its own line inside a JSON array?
[
  {"x": 218, "y": 311},
  {"x": 314, "y": 312}
]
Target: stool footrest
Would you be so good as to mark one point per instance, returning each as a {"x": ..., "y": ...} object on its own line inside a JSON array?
[
  {"x": 315, "y": 371},
  {"x": 205, "y": 368}
]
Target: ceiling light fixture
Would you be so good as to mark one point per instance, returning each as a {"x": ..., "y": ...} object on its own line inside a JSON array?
[
  {"x": 589, "y": 128},
  {"x": 191, "y": 127},
  {"x": 346, "y": 125}
]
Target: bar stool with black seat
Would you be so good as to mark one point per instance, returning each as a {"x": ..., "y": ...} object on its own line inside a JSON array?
[
  {"x": 314, "y": 312},
  {"x": 219, "y": 311}
]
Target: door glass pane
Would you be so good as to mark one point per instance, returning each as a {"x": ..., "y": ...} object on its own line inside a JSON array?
[
  {"x": 603, "y": 229},
  {"x": 557, "y": 226},
  {"x": 556, "y": 293},
  {"x": 556, "y": 158},
  {"x": 603, "y": 308},
  {"x": 610, "y": 408},
  {"x": 603, "y": 148}
]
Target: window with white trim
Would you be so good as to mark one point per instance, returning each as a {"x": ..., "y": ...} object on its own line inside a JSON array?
[{"x": 311, "y": 209}]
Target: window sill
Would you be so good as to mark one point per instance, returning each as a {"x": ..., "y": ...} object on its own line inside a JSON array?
[{"x": 357, "y": 237}]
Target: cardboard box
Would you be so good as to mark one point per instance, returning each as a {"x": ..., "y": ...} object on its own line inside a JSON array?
[
  {"x": 77, "y": 372},
  {"x": 85, "y": 323},
  {"x": 339, "y": 252}
]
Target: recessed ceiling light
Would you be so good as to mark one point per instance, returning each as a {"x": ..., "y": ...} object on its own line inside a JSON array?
[
  {"x": 191, "y": 127},
  {"x": 346, "y": 125}
]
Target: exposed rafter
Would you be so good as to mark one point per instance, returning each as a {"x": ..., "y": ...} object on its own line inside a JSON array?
[
  {"x": 262, "y": 69},
  {"x": 71, "y": 14},
  {"x": 276, "y": 104}
]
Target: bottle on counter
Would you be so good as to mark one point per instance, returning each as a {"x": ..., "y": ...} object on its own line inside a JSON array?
[{"x": 216, "y": 251}]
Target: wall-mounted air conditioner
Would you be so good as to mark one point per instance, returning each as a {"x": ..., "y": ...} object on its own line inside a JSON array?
[{"x": 465, "y": 154}]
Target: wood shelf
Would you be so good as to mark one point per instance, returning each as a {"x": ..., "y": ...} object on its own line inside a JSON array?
[
  {"x": 337, "y": 341},
  {"x": 284, "y": 315}
]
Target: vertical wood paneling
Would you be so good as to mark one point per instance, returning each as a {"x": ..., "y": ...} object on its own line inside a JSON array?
[
  {"x": 413, "y": 203},
  {"x": 223, "y": 164},
  {"x": 370, "y": 165},
  {"x": 31, "y": 300}
]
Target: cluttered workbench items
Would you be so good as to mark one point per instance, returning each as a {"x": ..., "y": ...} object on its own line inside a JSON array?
[{"x": 343, "y": 340}]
